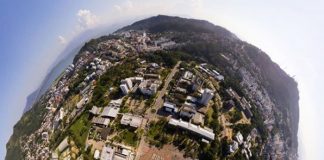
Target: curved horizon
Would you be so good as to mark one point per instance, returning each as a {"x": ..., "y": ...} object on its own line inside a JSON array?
[{"x": 277, "y": 38}]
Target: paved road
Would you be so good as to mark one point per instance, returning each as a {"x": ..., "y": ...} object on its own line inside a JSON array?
[{"x": 158, "y": 103}]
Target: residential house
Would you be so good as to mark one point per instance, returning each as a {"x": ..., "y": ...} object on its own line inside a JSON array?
[
  {"x": 170, "y": 107},
  {"x": 110, "y": 112},
  {"x": 131, "y": 120},
  {"x": 100, "y": 121}
]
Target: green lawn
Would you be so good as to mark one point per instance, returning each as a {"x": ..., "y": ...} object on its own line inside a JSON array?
[
  {"x": 79, "y": 130},
  {"x": 128, "y": 137}
]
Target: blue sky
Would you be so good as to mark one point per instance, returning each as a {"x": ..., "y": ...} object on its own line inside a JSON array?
[{"x": 33, "y": 34}]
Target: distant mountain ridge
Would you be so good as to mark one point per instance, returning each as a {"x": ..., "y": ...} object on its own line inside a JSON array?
[
  {"x": 65, "y": 58},
  {"x": 163, "y": 23}
]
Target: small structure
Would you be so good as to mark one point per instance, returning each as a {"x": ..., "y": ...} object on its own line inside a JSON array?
[
  {"x": 45, "y": 136},
  {"x": 124, "y": 88},
  {"x": 131, "y": 120},
  {"x": 63, "y": 145},
  {"x": 189, "y": 104},
  {"x": 154, "y": 65},
  {"x": 181, "y": 90},
  {"x": 170, "y": 107},
  {"x": 95, "y": 110},
  {"x": 100, "y": 121},
  {"x": 115, "y": 103},
  {"x": 152, "y": 76},
  {"x": 128, "y": 82},
  {"x": 55, "y": 156},
  {"x": 107, "y": 153},
  {"x": 188, "y": 75},
  {"x": 82, "y": 102},
  {"x": 239, "y": 138},
  {"x": 218, "y": 76},
  {"x": 233, "y": 147},
  {"x": 186, "y": 113},
  {"x": 138, "y": 79},
  {"x": 241, "y": 103},
  {"x": 110, "y": 112},
  {"x": 211, "y": 72},
  {"x": 196, "y": 83},
  {"x": 206, "y": 96},
  {"x": 96, "y": 154},
  {"x": 191, "y": 99},
  {"x": 198, "y": 119}
]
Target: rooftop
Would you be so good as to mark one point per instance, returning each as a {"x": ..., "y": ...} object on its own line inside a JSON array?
[
  {"x": 193, "y": 128},
  {"x": 100, "y": 121},
  {"x": 110, "y": 112},
  {"x": 132, "y": 120}
]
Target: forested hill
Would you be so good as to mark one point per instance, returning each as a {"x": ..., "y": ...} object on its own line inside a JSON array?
[{"x": 163, "y": 23}]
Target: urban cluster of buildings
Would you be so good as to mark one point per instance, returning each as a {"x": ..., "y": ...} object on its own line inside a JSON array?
[
  {"x": 243, "y": 144},
  {"x": 147, "y": 86},
  {"x": 114, "y": 151},
  {"x": 188, "y": 101},
  {"x": 212, "y": 72},
  {"x": 241, "y": 103},
  {"x": 188, "y": 97},
  {"x": 109, "y": 53}
]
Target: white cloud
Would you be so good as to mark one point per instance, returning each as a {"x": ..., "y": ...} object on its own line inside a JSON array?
[
  {"x": 62, "y": 40},
  {"x": 124, "y": 6},
  {"x": 129, "y": 4},
  {"x": 86, "y": 19},
  {"x": 117, "y": 7}
]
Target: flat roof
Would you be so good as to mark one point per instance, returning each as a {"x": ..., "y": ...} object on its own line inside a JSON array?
[
  {"x": 169, "y": 105},
  {"x": 193, "y": 128},
  {"x": 107, "y": 153},
  {"x": 132, "y": 120},
  {"x": 191, "y": 98},
  {"x": 110, "y": 112},
  {"x": 100, "y": 120},
  {"x": 116, "y": 102},
  {"x": 63, "y": 145}
]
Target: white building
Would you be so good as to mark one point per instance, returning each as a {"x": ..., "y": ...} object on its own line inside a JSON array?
[
  {"x": 149, "y": 87},
  {"x": 81, "y": 103},
  {"x": 96, "y": 154},
  {"x": 63, "y": 145},
  {"x": 124, "y": 88},
  {"x": 100, "y": 121},
  {"x": 62, "y": 113},
  {"x": 107, "y": 153},
  {"x": 95, "y": 110},
  {"x": 170, "y": 107},
  {"x": 233, "y": 147},
  {"x": 128, "y": 82},
  {"x": 204, "y": 132},
  {"x": 239, "y": 137},
  {"x": 110, "y": 112},
  {"x": 131, "y": 120},
  {"x": 188, "y": 75},
  {"x": 115, "y": 103},
  {"x": 206, "y": 96}
]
